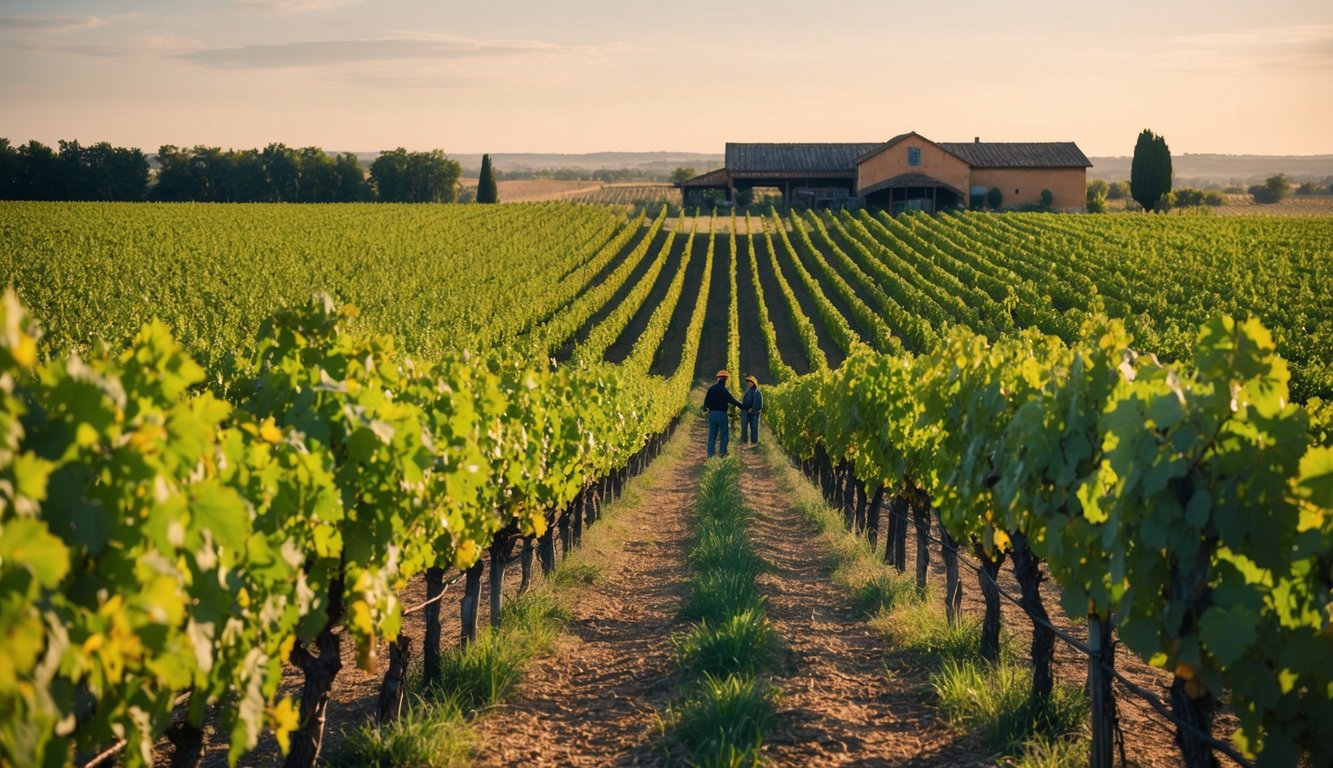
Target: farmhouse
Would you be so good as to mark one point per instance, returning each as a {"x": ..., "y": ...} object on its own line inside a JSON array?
[{"x": 908, "y": 171}]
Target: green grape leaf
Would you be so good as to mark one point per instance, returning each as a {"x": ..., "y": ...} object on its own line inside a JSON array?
[
  {"x": 27, "y": 543},
  {"x": 1228, "y": 633}
]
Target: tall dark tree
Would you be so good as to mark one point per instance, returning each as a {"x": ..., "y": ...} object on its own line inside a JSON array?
[
  {"x": 400, "y": 176},
  {"x": 351, "y": 180},
  {"x": 175, "y": 182},
  {"x": 389, "y": 176},
  {"x": 318, "y": 177},
  {"x": 11, "y": 171},
  {"x": 434, "y": 177},
  {"x": 487, "y": 191},
  {"x": 40, "y": 179},
  {"x": 283, "y": 167},
  {"x": 1150, "y": 173}
]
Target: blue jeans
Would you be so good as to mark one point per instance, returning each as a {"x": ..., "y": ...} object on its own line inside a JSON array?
[
  {"x": 717, "y": 423},
  {"x": 750, "y": 426}
]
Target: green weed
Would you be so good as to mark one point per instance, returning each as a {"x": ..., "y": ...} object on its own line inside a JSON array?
[
  {"x": 742, "y": 642},
  {"x": 431, "y": 735},
  {"x": 723, "y": 721}
]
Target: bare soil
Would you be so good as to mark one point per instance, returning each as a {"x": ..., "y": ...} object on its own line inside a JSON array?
[
  {"x": 598, "y": 699},
  {"x": 775, "y": 304},
  {"x": 837, "y": 706}
]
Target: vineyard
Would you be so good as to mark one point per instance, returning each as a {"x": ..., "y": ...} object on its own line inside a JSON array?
[{"x": 210, "y": 483}]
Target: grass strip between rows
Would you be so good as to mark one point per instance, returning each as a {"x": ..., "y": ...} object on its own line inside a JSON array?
[
  {"x": 435, "y": 731},
  {"x": 971, "y": 694},
  {"x": 727, "y": 706}
]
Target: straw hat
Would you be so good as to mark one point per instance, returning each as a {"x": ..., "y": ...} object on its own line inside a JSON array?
[
  {"x": 722, "y": 374},
  {"x": 752, "y": 380}
]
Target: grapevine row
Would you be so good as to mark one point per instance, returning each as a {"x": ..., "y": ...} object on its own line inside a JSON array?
[{"x": 1189, "y": 508}]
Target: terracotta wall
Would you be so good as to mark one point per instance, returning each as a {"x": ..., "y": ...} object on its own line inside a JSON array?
[
  {"x": 1024, "y": 185},
  {"x": 935, "y": 163}
]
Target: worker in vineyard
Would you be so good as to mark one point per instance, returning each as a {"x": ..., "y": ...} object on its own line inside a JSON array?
[
  {"x": 717, "y": 402},
  {"x": 752, "y": 402}
]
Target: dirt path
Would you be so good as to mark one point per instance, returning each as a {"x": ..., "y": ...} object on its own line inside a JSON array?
[
  {"x": 596, "y": 700},
  {"x": 838, "y": 707}
]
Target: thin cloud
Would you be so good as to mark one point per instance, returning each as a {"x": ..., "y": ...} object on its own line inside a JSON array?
[
  {"x": 419, "y": 79},
  {"x": 142, "y": 46},
  {"x": 317, "y": 53},
  {"x": 1237, "y": 53},
  {"x": 52, "y": 23},
  {"x": 288, "y": 7},
  {"x": 1260, "y": 36}
]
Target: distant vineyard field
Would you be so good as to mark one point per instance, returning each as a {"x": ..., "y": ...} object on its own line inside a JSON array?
[{"x": 631, "y": 194}]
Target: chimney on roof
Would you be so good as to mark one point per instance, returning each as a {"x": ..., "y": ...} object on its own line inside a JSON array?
[{"x": 976, "y": 139}]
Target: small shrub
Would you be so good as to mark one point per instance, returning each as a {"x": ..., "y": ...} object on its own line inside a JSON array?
[
  {"x": 1188, "y": 197},
  {"x": 1274, "y": 190},
  {"x": 994, "y": 198},
  {"x": 1047, "y": 197}
]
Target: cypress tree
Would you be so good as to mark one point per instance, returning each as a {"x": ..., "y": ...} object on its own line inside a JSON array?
[
  {"x": 1150, "y": 173},
  {"x": 487, "y": 192}
]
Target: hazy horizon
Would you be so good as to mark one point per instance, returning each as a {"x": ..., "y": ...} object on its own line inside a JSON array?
[{"x": 514, "y": 76}]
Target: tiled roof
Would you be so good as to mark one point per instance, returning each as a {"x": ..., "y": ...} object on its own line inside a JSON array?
[
  {"x": 709, "y": 180},
  {"x": 768, "y": 159},
  {"x": 1016, "y": 154}
]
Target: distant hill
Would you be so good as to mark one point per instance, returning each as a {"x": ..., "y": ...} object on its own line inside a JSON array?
[
  {"x": 1223, "y": 169},
  {"x": 655, "y": 163},
  {"x": 1190, "y": 169}
]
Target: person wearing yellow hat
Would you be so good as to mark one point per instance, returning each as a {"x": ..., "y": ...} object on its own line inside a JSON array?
[
  {"x": 717, "y": 402},
  {"x": 752, "y": 402}
]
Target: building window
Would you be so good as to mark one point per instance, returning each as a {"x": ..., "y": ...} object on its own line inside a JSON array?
[{"x": 914, "y": 156}]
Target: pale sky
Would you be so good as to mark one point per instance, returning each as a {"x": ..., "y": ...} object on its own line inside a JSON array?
[{"x": 681, "y": 75}]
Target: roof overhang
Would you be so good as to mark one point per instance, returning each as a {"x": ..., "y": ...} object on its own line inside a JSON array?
[
  {"x": 909, "y": 180},
  {"x": 715, "y": 179}
]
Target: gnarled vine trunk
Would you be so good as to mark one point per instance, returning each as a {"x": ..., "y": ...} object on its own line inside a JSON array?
[
  {"x": 501, "y": 549},
  {"x": 430, "y": 651},
  {"x": 319, "y": 669},
  {"x": 872, "y": 517},
  {"x": 1027, "y": 570},
  {"x": 921, "y": 510},
  {"x": 990, "y": 594},
  {"x": 953, "y": 586},
  {"x": 467, "y": 609}
]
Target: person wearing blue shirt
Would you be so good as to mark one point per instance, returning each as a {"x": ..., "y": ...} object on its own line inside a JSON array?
[
  {"x": 716, "y": 402},
  {"x": 751, "y": 404}
]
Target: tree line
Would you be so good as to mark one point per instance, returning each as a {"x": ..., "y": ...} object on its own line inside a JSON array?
[{"x": 275, "y": 174}]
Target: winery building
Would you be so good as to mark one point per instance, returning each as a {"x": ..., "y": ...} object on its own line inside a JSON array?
[{"x": 906, "y": 172}]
